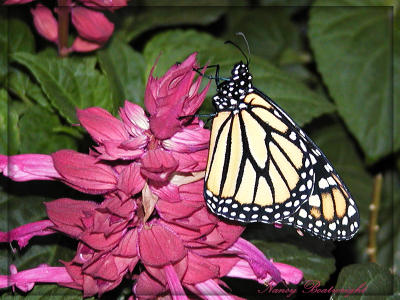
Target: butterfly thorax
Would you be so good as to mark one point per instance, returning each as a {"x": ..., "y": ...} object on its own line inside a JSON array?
[{"x": 231, "y": 92}]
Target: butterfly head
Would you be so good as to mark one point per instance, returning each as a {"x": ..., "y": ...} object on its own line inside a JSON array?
[{"x": 231, "y": 92}]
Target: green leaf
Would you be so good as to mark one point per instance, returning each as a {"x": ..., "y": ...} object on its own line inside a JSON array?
[
  {"x": 396, "y": 78},
  {"x": 342, "y": 152},
  {"x": 3, "y": 52},
  {"x": 9, "y": 131},
  {"x": 352, "y": 47},
  {"x": 378, "y": 280},
  {"x": 124, "y": 68},
  {"x": 314, "y": 266},
  {"x": 388, "y": 236},
  {"x": 152, "y": 17},
  {"x": 15, "y": 36},
  {"x": 68, "y": 83},
  {"x": 3, "y": 122},
  {"x": 37, "y": 129},
  {"x": 20, "y": 37},
  {"x": 296, "y": 98},
  {"x": 278, "y": 34},
  {"x": 21, "y": 85}
]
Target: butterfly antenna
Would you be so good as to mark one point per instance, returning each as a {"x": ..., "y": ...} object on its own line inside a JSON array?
[
  {"x": 240, "y": 49},
  {"x": 247, "y": 44}
]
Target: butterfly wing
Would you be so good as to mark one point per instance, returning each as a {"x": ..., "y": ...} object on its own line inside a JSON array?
[
  {"x": 263, "y": 168},
  {"x": 258, "y": 169},
  {"x": 330, "y": 212}
]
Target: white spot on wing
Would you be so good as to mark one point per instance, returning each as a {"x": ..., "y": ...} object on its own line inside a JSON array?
[
  {"x": 303, "y": 213},
  {"x": 323, "y": 184},
  {"x": 314, "y": 201},
  {"x": 351, "y": 211},
  {"x": 332, "y": 226},
  {"x": 331, "y": 181}
]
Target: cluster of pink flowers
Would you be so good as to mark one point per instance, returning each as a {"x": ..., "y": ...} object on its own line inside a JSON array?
[
  {"x": 92, "y": 27},
  {"x": 149, "y": 168}
]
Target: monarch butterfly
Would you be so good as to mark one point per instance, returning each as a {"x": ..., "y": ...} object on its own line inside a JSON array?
[{"x": 263, "y": 168}]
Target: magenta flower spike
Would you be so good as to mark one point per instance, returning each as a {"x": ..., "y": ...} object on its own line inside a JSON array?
[{"x": 149, "y": 170}]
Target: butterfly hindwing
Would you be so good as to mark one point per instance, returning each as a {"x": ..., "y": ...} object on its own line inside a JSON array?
[{"x": 330, "y": 212}]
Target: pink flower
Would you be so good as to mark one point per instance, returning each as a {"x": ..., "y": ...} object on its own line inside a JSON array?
[
  {"x": 93, "y": 28},
  {"x": 12, "y": 2},
  {"x": 108, "y": 4},
  {"x": 26, "y": 167},
  {"x": 81, "y": 45},
  {"x": 25, "y": 280},
  {"x": 172, "y": 96},
  {"x": 45, "y": 23},
  {"x": 91, "y": 25},
  {"x": 149, "y": 171}
]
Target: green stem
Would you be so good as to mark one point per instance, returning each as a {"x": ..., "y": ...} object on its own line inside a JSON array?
[{"x": 373, "y": 226}]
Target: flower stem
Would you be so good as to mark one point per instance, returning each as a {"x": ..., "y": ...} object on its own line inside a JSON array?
[
  {"x": 373, "y": 218},
  {"x": 63, "y": 23}
]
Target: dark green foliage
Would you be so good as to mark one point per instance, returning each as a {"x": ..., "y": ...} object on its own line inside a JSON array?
[{"x": 333, "y": 68}]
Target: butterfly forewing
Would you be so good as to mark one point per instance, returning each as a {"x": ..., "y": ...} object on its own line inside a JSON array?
[{"x": 257, "y": 170}]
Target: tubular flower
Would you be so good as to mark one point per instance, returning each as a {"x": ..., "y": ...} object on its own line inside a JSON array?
[
  {"x": 149, "y": 170},
  {"x": 93, "y": 28}
]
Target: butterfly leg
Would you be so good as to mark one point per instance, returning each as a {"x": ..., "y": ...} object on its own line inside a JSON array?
[{"x": 215, "y": 77}]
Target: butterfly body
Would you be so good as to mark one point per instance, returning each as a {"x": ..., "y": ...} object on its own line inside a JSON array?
[{"x": 263, "y": 168}]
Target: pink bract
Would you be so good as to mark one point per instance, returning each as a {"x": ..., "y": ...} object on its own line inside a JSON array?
[
  {"x": 92, "y": 26},
  {"x": 153, "y": 226}
]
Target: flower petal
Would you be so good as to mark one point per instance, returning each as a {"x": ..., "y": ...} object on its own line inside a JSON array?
[
  {"x": 174, "y": 283},
  {"x": 91, "y": 25},
  {"x": 130, "y": 180},
  {"x": 211, "y": 290},
  {"x": 45, "y": 23},
  {"x": 25, "y": 280},
  {"x": 159, "y": 246},
  {"x": 109, "y": 4},
  {"x": 83, "y": 172},
  {"x": 199, "y": 270},
  {"x": 261, "y": 266},
  {"x": 134, "y": 118},
  {"x": 25, "y": 167},
  {"x": 128, "y": 245},
  {"x": 12, "y": 2},
  {"x": 158, "y": 164},
  {"x": 67, "y": 214},
  {"x": 24, "y": 233},
  {"x": 289, "y": 273},
  {"x": 147, "y": 287},
  {"x": 191, "y": 139},
  {"x": 101, "y": 125},
  {"x": 82, "y": 45}
]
